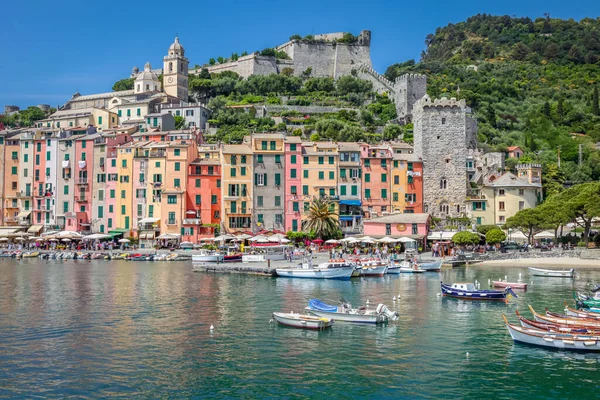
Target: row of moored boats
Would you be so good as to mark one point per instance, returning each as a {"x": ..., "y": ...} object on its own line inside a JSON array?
[{"x": 74, "y": 255}]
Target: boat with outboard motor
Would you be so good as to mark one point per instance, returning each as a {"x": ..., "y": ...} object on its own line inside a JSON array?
[
  {"x": 372, "y": 267},
  {"x": 208, "y": 256},
  {"x": 345, "y": 312},
  {"x": 468, "y": 291},
  {"x": 303, "y": 321},
  {"x": 333, "y": 269}
]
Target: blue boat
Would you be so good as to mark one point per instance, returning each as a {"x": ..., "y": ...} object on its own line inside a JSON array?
[
  {"x": 345, "y": 312},
  {"x": 468, "y": 291}
]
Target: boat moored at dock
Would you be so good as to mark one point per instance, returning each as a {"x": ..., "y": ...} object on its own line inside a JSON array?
[{"x": 333, "y": 269}]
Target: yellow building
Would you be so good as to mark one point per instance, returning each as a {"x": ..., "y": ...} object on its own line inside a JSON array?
[
  {"x": 237, "y": 174},
  {"x": 157, "y": 175},
  {"x": 124, "y": 188},
  {"x": 81, "y": 117},
  {"x": 320, "y": 165},
  {"x": 502, "y": 197}
]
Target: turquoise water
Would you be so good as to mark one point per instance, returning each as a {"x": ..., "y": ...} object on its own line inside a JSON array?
[{"x": 118, "y": 329}]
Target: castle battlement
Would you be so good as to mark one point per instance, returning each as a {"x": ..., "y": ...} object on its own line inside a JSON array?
[
  {"x": 528, "y": 166},
  {"x": 413, "y": 77},
  {"x": 426, "y": 102},
  {"x": 368, "y": 69}
]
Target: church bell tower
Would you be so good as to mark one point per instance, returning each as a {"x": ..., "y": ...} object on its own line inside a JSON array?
[{"x": 175, "y": 72}]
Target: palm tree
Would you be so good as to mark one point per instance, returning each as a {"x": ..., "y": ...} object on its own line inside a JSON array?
[{"x": 320, "y": 219}]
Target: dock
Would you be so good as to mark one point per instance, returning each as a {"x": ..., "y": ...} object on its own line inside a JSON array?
[{"x": 237, "y": 268}]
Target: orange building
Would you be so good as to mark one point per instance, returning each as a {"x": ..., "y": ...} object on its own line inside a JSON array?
[{"x": 376, "y": 166}]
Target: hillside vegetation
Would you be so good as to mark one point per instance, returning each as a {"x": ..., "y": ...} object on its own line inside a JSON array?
[{"x": 531, "y": 83}]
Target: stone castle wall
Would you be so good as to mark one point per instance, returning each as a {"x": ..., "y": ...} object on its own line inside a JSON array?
[
  {"x": 441, "y": 139},
  {"x": 409, "y": 89}
]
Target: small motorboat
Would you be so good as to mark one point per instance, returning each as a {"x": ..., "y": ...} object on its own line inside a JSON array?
[
  {"x": 345, "y": 312},
  {"x": 97, "y": 256},
  {"x": 563, "y": 341},
  {"x": 393, "y": 268},
  {"x": 303, "y": 321},
  {"x": 512, "y": 285},
  {"x": 333, "y": 269},
  {"x": 433, "y": 266},
  {"x": 208, "y": 256},
  {"x": 410, "y": 268},
  {"x": 468, "y": 291},
  {"x": 457, "y": 261},
  {"x": 7, "y": 254},
  {"x": 30, "y": 254},
  {"x": 552, "y": 273},
  {"x": 232, "y": 257},
  {"x": 373, "y": 267},
  {"x": 171, "y": 257}
]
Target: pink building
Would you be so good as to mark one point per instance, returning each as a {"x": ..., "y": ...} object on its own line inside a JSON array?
[
  {"x": 38, "y": 217},
  {"x": 376, "y": 180},
  {"x": 414, "y": 226},
  {"x": 514, "y": 152},
  {"x": 293, "y": 183},
  {"x": 83, "y": 163}
]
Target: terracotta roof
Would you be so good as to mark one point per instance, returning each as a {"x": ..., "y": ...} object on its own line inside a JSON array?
[{"x": 512, "y": 148}]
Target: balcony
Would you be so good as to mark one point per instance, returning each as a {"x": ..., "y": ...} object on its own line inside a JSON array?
[
  {"x": 141, "y": 184},
  {"x": 330, "y": 198},
  {"x": 66, "y": 163},
  {"x": 413, "y": 173},
  {"x": 157, "y": 184},
  {"x": 10, "y": 220},
  {"x": 80, "y": 199},
  {"x": 536, "y": 179},
  {"x": 354, "y": 229},
  {"x": 192, "y": 221},
  {"x": 81, "y": 181}
]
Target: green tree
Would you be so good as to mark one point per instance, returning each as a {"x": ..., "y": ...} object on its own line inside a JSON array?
[
  {"x": 527, "y": 220},
  {"x": 465, "y": 238},
  {"x": 211, "y": 61},
  {"x": 595, "y": 101},
  {"x": 392, "y": 131},
  {"x": 204, "y": 74},
  {"x": 520, "y": 52},
  {"x": 554, "y": 180},
  {"x": 484, "y": 229},
  {"x": 321, "y": 219},
  {"x": 495, "y": 236},
  {"x": 123, "y": 84},
  {"x": 179, "y": 122},
  {"x": 581, "y": 203}
]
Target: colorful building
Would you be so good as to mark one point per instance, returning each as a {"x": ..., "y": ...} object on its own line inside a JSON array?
[
  {"x": 407, "y": 183},
  {"x": 376, "y": 165},
  {"x": 239, "y": 178},
  {"x": 350, "y": 188},
  {"x": 320, "y": 162},
  {"x": 414, "y": 226},
  {"x": 293, "y": 183}
]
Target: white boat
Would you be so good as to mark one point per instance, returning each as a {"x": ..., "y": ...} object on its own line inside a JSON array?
[
  {"x": 373, "y": 267},
  {"x": 555, "y": 273},
  {"x": 341, "y": 270},
  {"x": 393, "y": 268},
  {"x": 345, "y": 313},
  {"x": 264, "y": 253},
  {"x": 414, "y": 269},
  {"x": 554, "y": 340},
  {"x": 208, "y": 256},
  {"x": 302, "y": 321},
  {"x": 430, "y": 265}
]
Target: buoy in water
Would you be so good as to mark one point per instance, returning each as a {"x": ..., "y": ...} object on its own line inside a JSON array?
[{"x": 467, "y": 354}]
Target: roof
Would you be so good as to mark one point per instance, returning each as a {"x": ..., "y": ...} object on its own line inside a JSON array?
[
  {"x": 349, "y": 146},
  {"x": 513, "y": 148},
  {"x": 103, "y": 95},
  {"x": 292, "y": 139},
  {"x": 406, "y": 157},
  {"x": 510, "y": 180},
  {"x": 408, "y": 218},
  {"x": 236, "y": 149},
  {"x": 147, "y": 74}
]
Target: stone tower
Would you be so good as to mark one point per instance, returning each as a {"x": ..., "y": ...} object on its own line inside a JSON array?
[
  {"x": 444, "y": 131},
  {"x": 175, "y": 72},
  {"x": 409, "y": 89}
]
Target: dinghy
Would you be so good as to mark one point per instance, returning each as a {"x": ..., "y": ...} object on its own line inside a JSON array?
[
  {"x": 345, "y": 312},
  {"x": 552, "y": 273},
  {"x": 302, "y": 321},
  {"x": 512, "y": 285}
]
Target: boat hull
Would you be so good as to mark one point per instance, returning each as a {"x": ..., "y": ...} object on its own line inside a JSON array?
[
  {"x": 551, "y": 340},
  {"x": 512, "y": 285},
  {"x": 434, "y": 266},
  {"x": 373, "y": 271},
  {"x": 351, "y": 318},
  {"x": 393, "y": 270},
  {"x": 479, "y": 295},
  {"x": 233, "y": 258},
  {"x": 552, "y": 273},
  {"x": 409, "y": 270},
  {"x": 316, "y": 273},
  {"x": 303, "y": 321},
  {"x": 207, "y": 258}
]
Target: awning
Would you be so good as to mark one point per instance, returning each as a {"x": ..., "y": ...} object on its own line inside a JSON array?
[
  {"x": 8, "y": 230},
  {"x": 148, "y": 220},
  {"x": 349, "y": 217},
  {"x": 117, "y": 232},
  {"x": 441, "y": 235},
  {"x": 169, "y": 236},
  {"x": 24, "y": 214},
  {"x": 351, "y": 202},
  {"x": 35, "y": 228}
]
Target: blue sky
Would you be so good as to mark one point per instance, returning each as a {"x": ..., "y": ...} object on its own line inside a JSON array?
[{"x": 54, "y": 49}]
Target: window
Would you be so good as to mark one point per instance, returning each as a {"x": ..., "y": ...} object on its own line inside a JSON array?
[
  {"x": 501, "y": 206},
  {"x": 443, "y": 184},
  {"x": 100, "y": 212},
  {"x": 112, "y": 192},
  {"x": 13, "y": 170},
  {"x": 198, "y": 199},
  {"x": 410, "y": 180},
  {"x": 110, "y": 223},
  {"x": 123, "y": 210},
  {"x": 260, "y": 179},
  {"x": 151, "y": 211},
  {"x": 305, "y": 173},
  {"x": 501, "y": 218},
  {"x": 294, "y": 225},
  {"x": 113, "y": 162},
  {"x": 410, "y": 166},
  {"x": 259, "y": 159},
  {"x": 444, "y": 208},
  {"x": 101, "y": 195},
  {"x": 342, "y": 173},
  {"x": 232, "y": 172},
  {"x": 277, "y": 179},
  {"x": 292, "y": 173},
  {"x": 304, "y": 159},
  {"x": 83, "y": 144},
  {"x": 123, "y": 192},
  {"x": 410, "y": 197},
  {"x": 306, "y": 206},
  {"x": 277, "y": 201},
  {"x": 259, "y": 201},
  {"x": 383, "y": 177},
  {"x": 343, "y": 190},
  {"x": 500, "y": 192},
  {"x": 332, "y": 192},
  {"x": 367, "y": 163},
  {"x": 521, "y": 205},
  {"x": 479, "y": 206},
  {"x": 388, "y": 229},
  {"x": 233, "y": 160},
  {"x": 383, "y": 163},
  {"x": 213, "y": 199},
  {"x": 443, "y": 121},
  {"x": 272, "y": 145},
  {"x": 278, "y": 219},
  {"x": 322, "y": 192},
  {"x": 293, "y": 159},
  {"x": 321, "y": 175},
  {"x": 331, "y": 174},
  {"x": 396, "y": 179},
  {"x": 305, "y": 190},
  {"x": 15, "y": 155},
  {"x": 211, "y": 170},
  {"x": 521, "y": 192},
  {"x": 367, "y": 177},
  {"x": 171, "y": 220},
  {"x": 243, "y": 159},
  {"x": 124, "y": 163},
  {"x": 157, "y": 164},
  {"x": 321, "y": 160},
  {"x": 177, "y": 166},
  {"x": 415, "y": 229},
  {"x": 197, "y": 183},
  {"x": 367, "y": 193},
  {"x": 177, "y": 182},
  {"x": 331, "y": 160},
  {"x": 218, "y": 182},
  {"x": 295, "y": 206},
  {"x": 293, "y": 190},
  {"x": 243, "y": 171},
  {"x": 384, "y": 193},
  {"x": 25, "y": 158},
  {"x": 264, "y": 145},
  {"x": 354, "y": 190},
  {"x": 293, "y": 147}
]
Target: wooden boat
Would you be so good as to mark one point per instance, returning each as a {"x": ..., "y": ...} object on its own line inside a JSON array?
[
  {"x": 433, "y": 266},
  {"x": 233, "y": 257},
  {"x": 571, "y": 312},
  {"x": 345, "y": 313},
  {"x": 30, "y": 254},
  {"x": 566, "y": 321},
  {"x": 468, "y": 291},
  {"x": 373, "y": 267},
  {"x": 333, "y": 269},
  {"x": 303, "y": 321},
  {"x": 549, "y": 327},
  {"x": 512, "y": 285},
  {"x": 553, "y": 340},
  {"x": 552, "y": 273}
]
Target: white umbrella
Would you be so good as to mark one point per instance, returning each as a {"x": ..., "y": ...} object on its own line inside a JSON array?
[
  {"x": 223, "y": 238},
  {"x": 406, "y": 240},
  {"x": 544, "y": 235},
  {"x": 277, "y": 240},
  {"x": 350, "y": 239},
  {"x": 332, "y": 241},
  {"x": 19, "y": 239},
  {"x": 53, "y": 240},
  {"x": 124, "y": 241},
  {"x": 364, "y": 238},
  {"x": 258, "y": 239},
  {"x": 387, "y": 239},
  {"x": 66, "y": 240},
  {"x": 243, "y": 236},
  {"x": 3, "y": 239},
  {"x": 96, "y": 236},
  {"x": 261, "y": 240},
  {"x": 367, "y": 241}
]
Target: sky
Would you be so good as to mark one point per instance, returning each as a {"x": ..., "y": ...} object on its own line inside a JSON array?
[{"x": 51, "y": 50}]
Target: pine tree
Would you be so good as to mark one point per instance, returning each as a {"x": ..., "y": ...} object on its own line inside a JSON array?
[
  {"x": 546, "y": 110},
  {"x": 595, "y": 104},
  {"x": 560, "y": 108}
]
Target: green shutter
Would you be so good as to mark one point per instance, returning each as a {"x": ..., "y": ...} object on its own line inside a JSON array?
[{"x": 343, "y": 190}]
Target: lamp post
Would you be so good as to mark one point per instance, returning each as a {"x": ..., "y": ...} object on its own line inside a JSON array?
[{"x": 509, "y": 232}]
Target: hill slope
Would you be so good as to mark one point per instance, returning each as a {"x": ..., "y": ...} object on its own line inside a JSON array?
[{"x": 531, "y": 83}]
